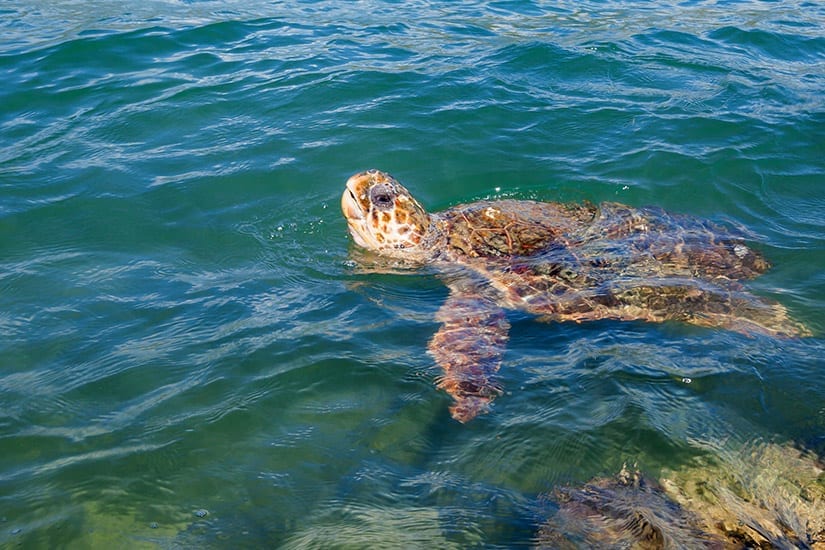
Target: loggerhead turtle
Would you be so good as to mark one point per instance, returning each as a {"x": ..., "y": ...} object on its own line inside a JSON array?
[{"x": 561, "y": 262}]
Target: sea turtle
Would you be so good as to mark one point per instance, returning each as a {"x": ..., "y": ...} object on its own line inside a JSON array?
[{"x": 560, "y": 262}]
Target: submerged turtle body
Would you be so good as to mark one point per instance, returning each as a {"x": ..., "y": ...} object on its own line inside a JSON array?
[{"x": 560, "y": 262}]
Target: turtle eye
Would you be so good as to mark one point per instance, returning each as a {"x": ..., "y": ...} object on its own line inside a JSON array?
[{"x": 383, "y": 197}]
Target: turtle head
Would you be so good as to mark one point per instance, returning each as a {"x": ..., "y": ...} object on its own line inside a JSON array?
[{"x": 382, "y": 215}]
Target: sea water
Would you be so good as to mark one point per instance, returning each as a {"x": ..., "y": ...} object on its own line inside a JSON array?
[{"x": 191, "y": 354}]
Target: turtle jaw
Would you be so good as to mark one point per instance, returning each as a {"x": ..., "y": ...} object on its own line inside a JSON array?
[{"x": 355, "y": 214}]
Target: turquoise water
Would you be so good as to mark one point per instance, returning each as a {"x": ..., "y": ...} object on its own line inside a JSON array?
[{"x": 191, "y": 354}]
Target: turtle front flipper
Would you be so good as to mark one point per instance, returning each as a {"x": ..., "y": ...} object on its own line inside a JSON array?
[{"x": 468, "y": 347}]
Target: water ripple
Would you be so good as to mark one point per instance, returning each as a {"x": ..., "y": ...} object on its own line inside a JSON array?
[{"x": 185, "y": 327}]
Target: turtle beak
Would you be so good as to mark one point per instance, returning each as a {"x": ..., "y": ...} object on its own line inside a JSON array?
[
  {"x": 349, "y": 205},
  {"x": 354, "y": 213}
]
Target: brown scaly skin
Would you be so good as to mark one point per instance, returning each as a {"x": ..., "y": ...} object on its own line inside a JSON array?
[
  {"x": 468, "y": 348},
  {"x": 560, "y": 262}
]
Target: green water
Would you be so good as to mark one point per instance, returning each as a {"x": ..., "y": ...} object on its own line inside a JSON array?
[{"x": 191, "y": 357}]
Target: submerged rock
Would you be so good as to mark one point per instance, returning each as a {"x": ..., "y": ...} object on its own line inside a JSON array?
[
  {"x": 763, "y": 496},
  {"x": 624, "y": 511}
]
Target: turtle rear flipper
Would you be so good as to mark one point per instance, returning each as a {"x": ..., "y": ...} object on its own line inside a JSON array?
[
  {"x": 468, "y": 348},
  {"x": 707, "y": 305}
]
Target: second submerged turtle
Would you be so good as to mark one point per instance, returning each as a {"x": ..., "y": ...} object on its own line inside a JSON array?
[{"x": 561, "y": 262}]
